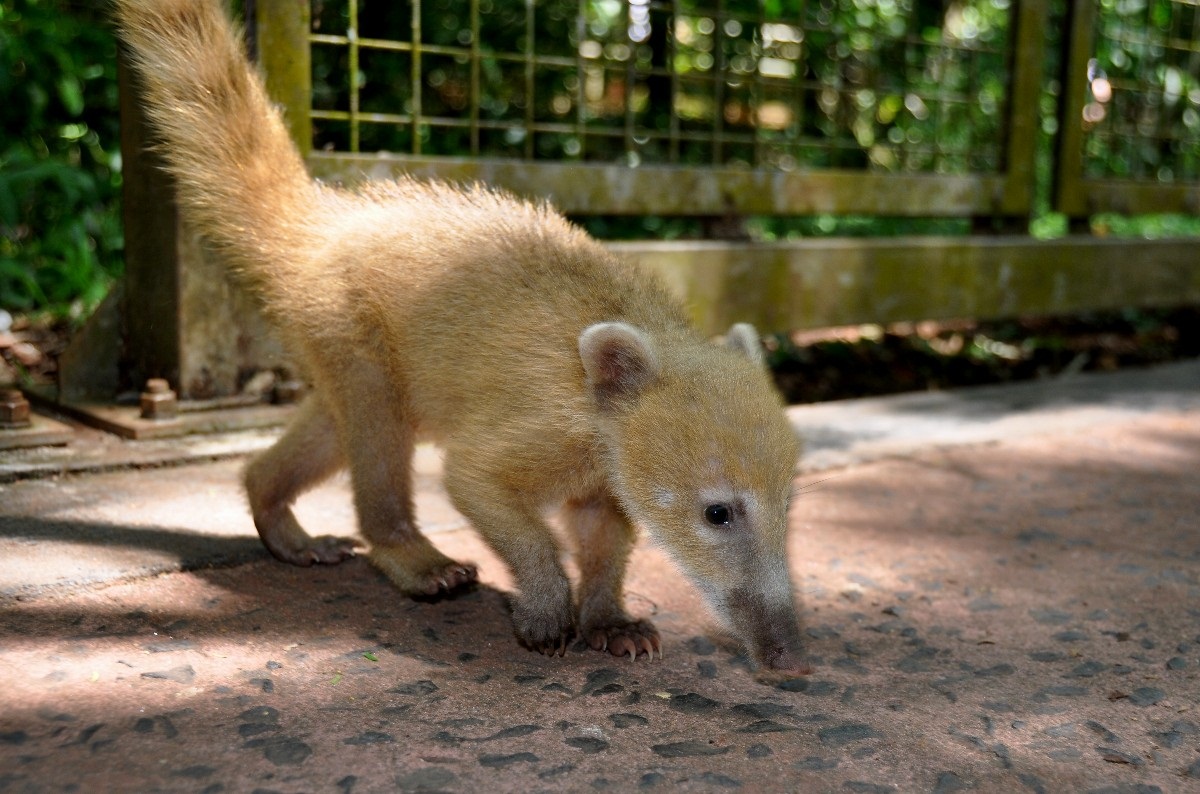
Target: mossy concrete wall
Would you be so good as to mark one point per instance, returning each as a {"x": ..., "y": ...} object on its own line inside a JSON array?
[{"x": 814, "y": 283}]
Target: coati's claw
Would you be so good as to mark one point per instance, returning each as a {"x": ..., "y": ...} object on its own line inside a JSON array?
[
  {"x": 630, "y": 639},
  {"x": 451, "y": 578},
  {"x": 323, "y": 550},
  {"x": 547, "y": 632},
  {"x": 555, "y": 647}
]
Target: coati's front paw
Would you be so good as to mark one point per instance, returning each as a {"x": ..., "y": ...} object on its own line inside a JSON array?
[
  {"x": 322, "y": 550},
  {"x": 546, "y": 631},
  {"x": 421, "y": 570},
  {"x": 447, "y": 578},
  {"x": 626, "y": 638}
]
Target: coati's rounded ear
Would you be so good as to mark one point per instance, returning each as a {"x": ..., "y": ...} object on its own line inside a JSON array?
[
  {"x": 619, "y": 359},
  {"x": 742, "y": 338}
]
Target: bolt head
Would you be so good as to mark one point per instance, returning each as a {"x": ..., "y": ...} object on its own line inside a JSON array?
[
  {"x": 14, "y": 410},
  {"x": 158, "y": 401},
  {"x": 287, "y": 392}
]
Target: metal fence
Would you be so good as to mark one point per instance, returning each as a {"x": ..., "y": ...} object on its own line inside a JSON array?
[
  {"x": 662, "y": 82},
  {"x": 1131, "y": 121},
  {"x": 946, "y": 100},
  {"x": 940, "y": 100}
]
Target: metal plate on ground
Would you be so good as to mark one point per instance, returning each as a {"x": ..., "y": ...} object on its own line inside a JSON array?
[
  {"x": 42, "y": 431},
  {"x": 128, "y": 423}
]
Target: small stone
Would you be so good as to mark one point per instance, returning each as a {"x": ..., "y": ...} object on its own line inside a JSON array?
[
  {"x": 918, "y": 661},
  {"x": 765, "y": 726},
  {"x": 1065, "y": 691},
  {"x": 370, "y": 737},
  {"x": 1146, "y": 696},
  {"x": 808, "y": 686},
  {"x": 844, "y": 734},
  {"x": 763, "y": 751},
  {"x": 496, "y": 761},
  {"x": 817, "y": 764},
  {"x": 1102, "y": 732},
  {"x": 1050, "y": 617},
  {"x": 1032, "y": 782},
  {"x": 1047, "y": 656},
  {"x": 184, "y": 674},
  {"x": 1117, "y": 757},
  {"x": 624, "y": 720},
  {"x": 601, "y": 681},
  {"x": 707, "y": 669},
  {"x": 687, "y": 749},
  {"x": 285, "y": 750},
  {"x": 515, "y": 730},
  {"x": 762, "y": 710},
  {"x": 430, "y": 779},
  {"x": 651, "y": 779},
  {"x": 422, "y": 687},
  {"x": 587, "y": 744},
  {"x": 948, "y": 782},
  {"x": 1177, "y": 663},
  {"x": 692, "y": 703},
  {"x": 821, "y": 632},
  {"x": 701, "y": 646},
  {"x": 1087, "y": 670}
]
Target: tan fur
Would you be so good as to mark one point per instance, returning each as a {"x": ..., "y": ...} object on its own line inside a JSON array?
[{"x": 551, "y": 373}]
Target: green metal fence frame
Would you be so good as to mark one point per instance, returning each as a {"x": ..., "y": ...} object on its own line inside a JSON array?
[
  {"x": 284, "y": 48},
  {"x": 1076, "y": 195}
]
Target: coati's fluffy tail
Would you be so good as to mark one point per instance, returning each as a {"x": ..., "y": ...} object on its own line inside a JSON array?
[{"x": 241, "y": 182}]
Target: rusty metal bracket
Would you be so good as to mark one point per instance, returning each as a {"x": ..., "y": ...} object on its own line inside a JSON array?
[{"x": 20, "y": 427}]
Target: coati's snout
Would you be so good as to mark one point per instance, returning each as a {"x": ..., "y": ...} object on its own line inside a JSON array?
[{"x": 700, "y": 453}]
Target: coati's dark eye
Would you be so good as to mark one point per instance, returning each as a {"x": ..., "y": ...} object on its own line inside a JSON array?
[{"x": 717, "y": 515}]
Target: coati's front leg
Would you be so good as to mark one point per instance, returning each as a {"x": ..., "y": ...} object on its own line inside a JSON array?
[
  {"x": 512, "y": 525},
  {"x": 306, "y": 454},
  {"x": 604, "y": 538}
]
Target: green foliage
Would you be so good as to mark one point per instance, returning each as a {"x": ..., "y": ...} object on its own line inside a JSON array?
[{"x": 60, "y": 231}]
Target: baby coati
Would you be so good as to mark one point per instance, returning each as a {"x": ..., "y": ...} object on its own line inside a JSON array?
[{"x": 552, "y": 375}]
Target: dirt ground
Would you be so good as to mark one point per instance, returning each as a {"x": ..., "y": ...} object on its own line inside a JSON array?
[{"x": 1019, "y": 615}]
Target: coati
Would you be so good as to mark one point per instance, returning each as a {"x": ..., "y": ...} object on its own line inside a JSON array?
[{"x": 552, "y": 375}]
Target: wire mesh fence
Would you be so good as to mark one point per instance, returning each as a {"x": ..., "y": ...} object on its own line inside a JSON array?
[
  {"x": 888, "y": 85},
  {"x": 1142, "y": 117}
]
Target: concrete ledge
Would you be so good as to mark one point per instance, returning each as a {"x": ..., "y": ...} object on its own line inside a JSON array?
[{"x": 815, "y": 283}]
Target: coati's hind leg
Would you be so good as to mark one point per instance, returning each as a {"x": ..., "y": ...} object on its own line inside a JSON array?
[
  {"x": 379, "y": 445},
  {"x": 603, "y": 539},
  {"x": 306, "y": 454}
]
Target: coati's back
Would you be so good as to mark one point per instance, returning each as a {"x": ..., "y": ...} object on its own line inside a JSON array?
[{"x": 482, "y": 302}]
